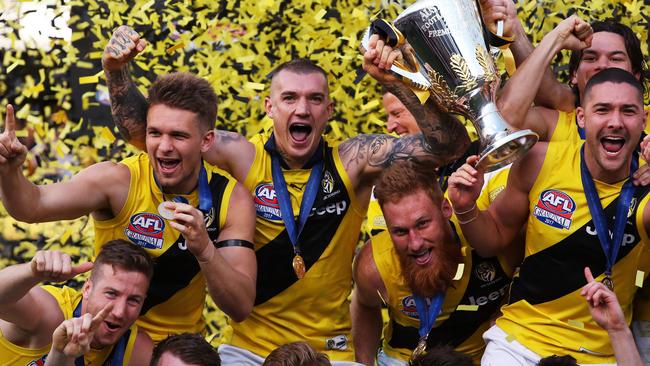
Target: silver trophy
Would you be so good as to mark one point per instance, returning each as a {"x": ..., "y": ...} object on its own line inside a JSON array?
[{"x": 449, "y": 58}]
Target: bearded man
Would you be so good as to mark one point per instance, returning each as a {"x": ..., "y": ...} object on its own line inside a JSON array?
[{"x": 437, "y": 289}]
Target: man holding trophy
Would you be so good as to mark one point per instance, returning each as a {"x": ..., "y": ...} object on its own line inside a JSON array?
[{"x": 446, "y": 60}]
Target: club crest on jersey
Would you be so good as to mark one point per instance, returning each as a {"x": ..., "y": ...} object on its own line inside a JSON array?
[
  {"x": 409, "y": 308},
  {"x": 485, "y": 271},
  {"x": 146, "y": 230},
  {"x": 209, "y": 218},
  {"x": 555, "y": 209},
  {"x": 266, "y": 202},
  {"x": 327, "y": 182}
]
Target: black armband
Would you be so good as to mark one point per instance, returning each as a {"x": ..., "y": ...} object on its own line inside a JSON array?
[{"x": 234, "y": 243}]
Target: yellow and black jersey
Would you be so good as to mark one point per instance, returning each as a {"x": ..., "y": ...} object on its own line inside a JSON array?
[
  {"x": 495, "y": 182},
  {"x": 484, "y": 284},
  {"x": 314, "y": 309},
  {"x": 176, "y": 296},
  {"x": 69, "y": 300},
  {"x": 375, "y": 222},
  {"x": 566, "y": 128},
  {"x": 546, "y": 312}
]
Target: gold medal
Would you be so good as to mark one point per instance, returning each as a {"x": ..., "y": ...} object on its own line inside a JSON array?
[
  {"x": 166, "y": 213},
  {"x": 607, "y": 281},
  {"x": 420, "y": 349},
  {"x": 299, "y": 266}
]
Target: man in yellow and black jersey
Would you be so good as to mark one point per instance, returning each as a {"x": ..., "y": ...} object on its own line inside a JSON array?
[
  {"x": 603, "y": 44},
  {"x": 104, "y": 311},
  {"x": 310, "y": 195},
  {"x": 196, "y": 220},
  {"x": 553, "y": 192},
  {"x": 422, "y": 255}
]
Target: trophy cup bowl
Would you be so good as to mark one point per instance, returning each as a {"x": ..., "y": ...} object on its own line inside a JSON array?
[{"x": 448, "y": 57}]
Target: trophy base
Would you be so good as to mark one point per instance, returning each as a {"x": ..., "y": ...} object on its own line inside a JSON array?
[{"x": 506, "y": 150}]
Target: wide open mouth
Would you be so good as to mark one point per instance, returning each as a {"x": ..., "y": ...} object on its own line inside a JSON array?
[
  {"x": 612, "y": 144},
  {"x": 422, "y": 257},
  {"x": 168, "y": 165},
  {"x": 300, "y": 132}
]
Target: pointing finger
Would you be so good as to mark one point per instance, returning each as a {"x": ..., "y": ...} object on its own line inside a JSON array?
[
  {"x": 10, "y": 121},
  {"x": 83, "y": 267},
  {"x": 101, "y": 316},
  {"x": 588, "y": 275}
]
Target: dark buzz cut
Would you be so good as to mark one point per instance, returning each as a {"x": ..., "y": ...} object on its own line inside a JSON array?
[
  {"x": 405, "y": 177},
  {"x": 124, "y": 255},
  {"x": 616, "y": 76},
  {"x": 299, "y": 66},
  {"x": 184, "y": 90}
]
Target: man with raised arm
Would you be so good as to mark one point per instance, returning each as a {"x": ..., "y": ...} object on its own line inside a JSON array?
[
  {"x": 556, "y": 189},
  {"x": 101, "y": 316},
  {"x": 195, "y": 219},
  {"x": 310, "y": 195},
  {"x": 601, "y": 45}
]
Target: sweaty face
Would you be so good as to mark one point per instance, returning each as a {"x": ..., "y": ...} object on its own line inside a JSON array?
[
  {"x": 300, "y": 107},
  {"x": 126, "y": 290},
  {"x": 424, "y": 242},
  {"x": 400, "y": 120},
  {"x": 607, "y": 50},
  {"x": 613, "y": 118},
  {"x": 174, "y": 144}
]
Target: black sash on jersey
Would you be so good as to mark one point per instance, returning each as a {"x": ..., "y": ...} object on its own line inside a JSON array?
[
  {"x": 274, "y": 273},
  {"x": 558, "y": 270},
  {"x": 175, "y": 268}
]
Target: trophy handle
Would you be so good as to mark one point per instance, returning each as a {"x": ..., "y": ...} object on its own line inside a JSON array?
[{"x": 409, "y": 70}]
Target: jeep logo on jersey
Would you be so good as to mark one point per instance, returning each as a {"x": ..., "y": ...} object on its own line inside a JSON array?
[
  {"x": 327, "y": 183},
  {"x": 409, "y": 308},
  {"x": 266, "y": 202},
  {"x": 146, "y": 230},
  {"x": 555, "y": 209},
  {"x": 485, "y": 272}
]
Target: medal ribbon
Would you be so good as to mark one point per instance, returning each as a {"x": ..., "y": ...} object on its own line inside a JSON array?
[
  {"x": 428, "y": 314},
  {"x": 609, "y": 244},
  {"x": 205, "y": 195},
  {"x": 284, "y": 199}
]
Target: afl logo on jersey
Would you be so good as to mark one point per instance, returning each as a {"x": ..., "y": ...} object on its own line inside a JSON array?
[
  {"x": 555, "y": 209},
  {"x": 266, "y": 202},
  {"x": 485, "y": 272},
  {"x": 146, "y": 230},
  {"x": 409, "y": 308}
]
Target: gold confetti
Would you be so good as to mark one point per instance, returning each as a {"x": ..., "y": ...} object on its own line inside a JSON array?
[
  {"x": 459, "y": 271},
  {"x": 640, "y": 275},
  {"x": 467, "y": 307},
  {"x": 254, "y": 86}
]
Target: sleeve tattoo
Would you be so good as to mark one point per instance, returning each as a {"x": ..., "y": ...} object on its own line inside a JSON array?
[
  {"x": 128, "y": 106},
  {"x": 443, "y": 138}
]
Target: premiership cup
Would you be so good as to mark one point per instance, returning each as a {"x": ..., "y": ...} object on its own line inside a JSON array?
[{"x": 449, "y": 58}]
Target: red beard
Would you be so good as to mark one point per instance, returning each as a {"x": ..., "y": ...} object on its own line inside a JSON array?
[{"x": 436, "y": 276}]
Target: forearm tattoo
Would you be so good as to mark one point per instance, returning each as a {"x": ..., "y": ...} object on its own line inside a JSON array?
[
  {"x": 381, "y": 151},
  {"x": 444, "y": 132},
  {"x": 128, "y": 105}
]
